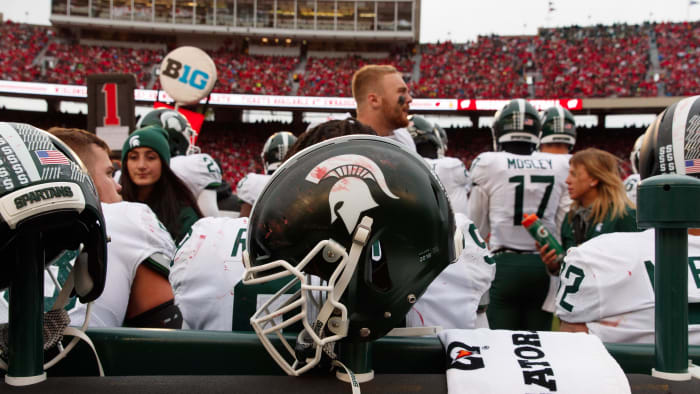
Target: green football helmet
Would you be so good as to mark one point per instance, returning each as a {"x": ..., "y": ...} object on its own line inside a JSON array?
[
  {"x": 181, "y": 135},
  {"x": 670, "y": 144},
  {"x": 424, "y": 134},
  {"x": 319, "y": 215},
  {"x": 48, "y": 193},
  {"x": 275, "y": 150},
  {"x": 558, "y": 127},
  {"x": 517, "y": 121}
]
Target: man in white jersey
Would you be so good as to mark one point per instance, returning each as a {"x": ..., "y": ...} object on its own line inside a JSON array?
[
  {"x": 383, "y": 102},
  {"x": 450, "y": 170},
  {"x": 508, "y": 183},
  {"x": 558, "y": 136},
  {"x": 135, "y": 294},
  {"x": 207, "y": 266},
  {"x": 273, "y": 153},
  {"x": 632, "y": 180},
  {"x": 608, "y": 282},
  {"x": 197, "y": 170},
  {"x": 452, "y": 299}
]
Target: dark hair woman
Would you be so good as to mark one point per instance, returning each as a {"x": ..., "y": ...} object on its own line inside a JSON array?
[{"x": 147, "y": 178}]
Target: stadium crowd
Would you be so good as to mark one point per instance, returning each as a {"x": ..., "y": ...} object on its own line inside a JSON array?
[{"x": 595, "y": 61}]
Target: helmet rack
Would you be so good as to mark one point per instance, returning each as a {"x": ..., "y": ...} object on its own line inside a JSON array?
[
  {"x": 26, "y": 314},
  {"x": 663, "y": 202}
]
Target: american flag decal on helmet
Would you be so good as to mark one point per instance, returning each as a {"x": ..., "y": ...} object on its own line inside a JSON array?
[{"x": 51, "y": 157}]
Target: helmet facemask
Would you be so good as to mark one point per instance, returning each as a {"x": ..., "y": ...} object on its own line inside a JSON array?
[{"x": 320, "y": 336}]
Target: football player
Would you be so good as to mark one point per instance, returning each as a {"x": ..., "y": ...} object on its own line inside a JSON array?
[
  {"x": 454, "y": 298},
  {"x": 632, "y": 180},
  {"x": 508, "y": 183},
  {"x": 197, "y": 170},
  {"x": 558, "y": 133},
  {"x": 137, "y": 292},
  {"x": 451, "y": 171},
  {"x": 607, "y": 284},
  {"x": 273, "y": 153},
  {"x": 383, "y": 102}
]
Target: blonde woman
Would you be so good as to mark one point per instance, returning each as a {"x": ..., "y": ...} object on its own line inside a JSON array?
[{"x": 600, "y": 204}]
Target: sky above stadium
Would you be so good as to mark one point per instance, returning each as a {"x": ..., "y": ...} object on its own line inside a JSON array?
[{"x": 463, "y": 20}]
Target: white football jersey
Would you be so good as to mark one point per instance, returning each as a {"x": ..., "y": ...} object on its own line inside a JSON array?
[
  {"x": 505, "y": 186},
  {"x": 136, "y": 234},
  {"x": 403, "y": 137},
  {"x": 207, "y": 266},
  {"x": 454, "y": 177},
  {"x": 607, "y": 282},
  {"x": 502, "y": 361},
  {"x": 453, "y": 297},
  {"x": 198, "y": 172},
  {"x": 631, "y": 183},
  {"x": 250, "y": 187}
]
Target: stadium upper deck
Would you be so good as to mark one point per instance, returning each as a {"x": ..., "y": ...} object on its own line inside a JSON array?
[{"x": 394, "y": 20}]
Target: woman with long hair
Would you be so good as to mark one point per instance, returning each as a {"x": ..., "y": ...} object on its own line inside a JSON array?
[
  {"x": 600, "y": 204},
  {"x": 147, "y": 178}
]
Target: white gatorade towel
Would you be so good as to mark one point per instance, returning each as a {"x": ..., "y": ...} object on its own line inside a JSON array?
[{"x": 501, "y": 361}]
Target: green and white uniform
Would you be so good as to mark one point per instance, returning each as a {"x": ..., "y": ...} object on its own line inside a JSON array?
[
  {"x": 207, "y": 265},
  {"x": 198, "y": 172},
  {"x": 608, "y": 284},
  {"x": 454, "y": 177},
  {"x": 506, "y": 186},
  {"x": 631, "y": 183},
  {"x": 452, "y": 299},
  {"x": 250, "y": 187},
  {"x": 136, "y": 237},
  {"x": 206, "y": 277}
]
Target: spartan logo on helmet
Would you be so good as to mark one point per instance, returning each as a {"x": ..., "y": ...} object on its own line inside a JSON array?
[
  {"x": 172, "y": 120},
  {"x": 350, "y": 195},
  {"x": 465, "y": 357}
]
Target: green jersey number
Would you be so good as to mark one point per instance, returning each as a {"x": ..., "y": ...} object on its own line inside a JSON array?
[
  {"x": 572, "y": 288},
  {"x": 519, "y": 180}
]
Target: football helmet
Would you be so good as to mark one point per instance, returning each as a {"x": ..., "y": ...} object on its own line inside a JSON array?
[
  {"x": 181, "y": 136},
  {"x": 275, "y": 150},
  {"x": 671, "y": 144},
  {"x": 634, "y": 155},
  {"x": 424, "y": 133},
  {"x": 558, "y": 127},
  {"x": 517, "y": 121},
  {"x": 316, "y": 221},
  {"x": 45, "y": 190}
]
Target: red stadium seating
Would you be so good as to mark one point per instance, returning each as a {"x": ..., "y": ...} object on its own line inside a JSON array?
[
  {"x": 332, "y": 76},
  {"x": 679, "y": 54},
  {"x": 490, "y": 68},
  {"x": 597, "y": 61}
]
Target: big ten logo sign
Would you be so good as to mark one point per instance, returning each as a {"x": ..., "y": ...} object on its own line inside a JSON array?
[{"x": 187, "y": 74}]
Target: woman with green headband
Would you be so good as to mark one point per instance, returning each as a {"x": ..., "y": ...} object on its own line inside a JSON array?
[{"x": 147, "y": 178}]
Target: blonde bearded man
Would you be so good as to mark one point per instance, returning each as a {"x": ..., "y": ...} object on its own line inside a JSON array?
[{"x": 383, "y": 102}]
